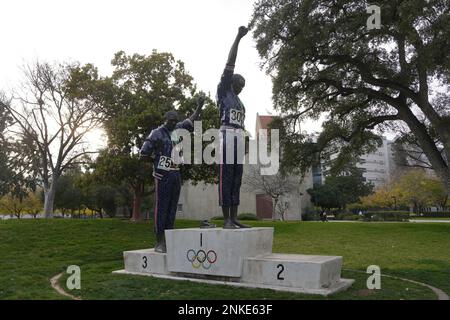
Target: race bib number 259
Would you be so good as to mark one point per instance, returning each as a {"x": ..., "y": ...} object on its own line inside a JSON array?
[{"x": 237, "y": 117}]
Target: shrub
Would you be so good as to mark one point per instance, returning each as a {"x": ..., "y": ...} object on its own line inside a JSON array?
[
  {"x": 339, "y": 216},
  {"x": 356, "y": 207},
  {"x": 375, "y": 217},
  {"x": 347, "y": 216},
  {"x": 310, "y": 216},
  {"x": 441, "y": 214},
  {"x": 386, "y": 216}
]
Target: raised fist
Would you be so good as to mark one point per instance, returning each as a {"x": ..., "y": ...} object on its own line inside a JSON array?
[
  {"x": 201, "y": 99},
  {"x": 242, "y": 31}
]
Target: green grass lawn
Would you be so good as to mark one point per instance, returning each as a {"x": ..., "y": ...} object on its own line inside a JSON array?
[{"x": 33, "y": 251}]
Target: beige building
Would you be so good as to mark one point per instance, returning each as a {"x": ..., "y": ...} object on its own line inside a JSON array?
[
  {"x": 377, "y": 167},
  {"x": 202, "y": 200}
]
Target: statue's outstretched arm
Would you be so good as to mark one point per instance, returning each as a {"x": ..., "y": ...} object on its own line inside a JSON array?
[
  {"x": 200, "y": 102},
  {"x": 234, "y": 48}
]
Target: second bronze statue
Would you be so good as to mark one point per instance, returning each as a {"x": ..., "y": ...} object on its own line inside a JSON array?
[{"x": 159, "y": 145}]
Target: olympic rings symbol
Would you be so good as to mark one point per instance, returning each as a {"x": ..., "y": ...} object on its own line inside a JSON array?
[{"x": 201, "y": 258}]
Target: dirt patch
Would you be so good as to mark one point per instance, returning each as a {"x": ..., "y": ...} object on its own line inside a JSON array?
[{"x": 57, "y": 287}]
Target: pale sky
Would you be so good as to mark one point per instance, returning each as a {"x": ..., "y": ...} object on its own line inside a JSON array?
[{"x": 198, "y": 32}]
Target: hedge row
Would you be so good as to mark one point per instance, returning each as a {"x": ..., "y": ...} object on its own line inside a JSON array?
[
  {"x": 376, "y": 216},
  {"x": 386, "y": 216},
  {"x": 440, "y": 214}
]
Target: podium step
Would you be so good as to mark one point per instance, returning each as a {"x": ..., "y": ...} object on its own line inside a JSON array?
[
  {"x": 293, "y": 270},
  {"x": 145, "y": 261}
]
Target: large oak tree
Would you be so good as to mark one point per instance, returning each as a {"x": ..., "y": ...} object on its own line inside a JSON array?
[{"x": 326, "y": 62}]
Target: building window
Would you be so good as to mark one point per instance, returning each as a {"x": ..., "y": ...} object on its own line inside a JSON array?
[{"x": 180, "y": 207}]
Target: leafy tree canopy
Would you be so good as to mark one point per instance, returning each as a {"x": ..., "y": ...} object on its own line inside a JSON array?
[
  {"x": 326, "y": 62},
  {"x": 340, "y": 190}
]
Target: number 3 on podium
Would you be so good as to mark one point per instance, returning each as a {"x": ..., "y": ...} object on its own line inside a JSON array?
[{"x": 145, "y": 262}]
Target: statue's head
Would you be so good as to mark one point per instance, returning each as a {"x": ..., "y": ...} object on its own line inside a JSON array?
[
  {"x": 171, "y": 119},
  {"x": 237, "y": 83}
]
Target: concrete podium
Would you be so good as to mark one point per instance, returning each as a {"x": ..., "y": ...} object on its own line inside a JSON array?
[
  {"x": 218, "y": 252},
  {"x": 241, "y": 257}
]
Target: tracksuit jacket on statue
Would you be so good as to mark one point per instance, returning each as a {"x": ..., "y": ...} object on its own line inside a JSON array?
[
  {"x": 232, "y": 116},
  {"x": 160, "y": 143}
]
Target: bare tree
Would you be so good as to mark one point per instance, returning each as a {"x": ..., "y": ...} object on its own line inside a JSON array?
[
  {"x": 5, "y": 172},
  {"x": 276, "y": 186},
  {"x": 50, "y": 124}
]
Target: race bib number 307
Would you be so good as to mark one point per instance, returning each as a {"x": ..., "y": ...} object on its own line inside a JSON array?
[
  {"x": 164, "y": 163},
  {"x": 237, "y": 117}
]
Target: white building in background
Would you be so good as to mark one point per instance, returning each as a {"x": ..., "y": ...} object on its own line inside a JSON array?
[
  {"x": 202, "y": 200},
  {"x": 378, "y": 166}
]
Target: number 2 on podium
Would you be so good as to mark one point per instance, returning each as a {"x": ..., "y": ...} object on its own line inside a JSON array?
[{"x": 281, "y": 268}]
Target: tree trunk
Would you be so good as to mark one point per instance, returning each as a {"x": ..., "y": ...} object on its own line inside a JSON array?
[
  {"x": 137, "y": 201},
  {"x": 428, "y": 146},
  {"x": 444, "y": 204},
  {"x": 444, "y": 133},
  {"x": 49, "y": 199},
  {"x": 282, "y": 212},
  {"x": 447, "y": 182},
  {"x": 274, "y": 211}
]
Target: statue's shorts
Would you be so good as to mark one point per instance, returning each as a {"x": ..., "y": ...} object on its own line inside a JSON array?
[
  {"x": 231, "y": 166},
  {"x": 167, "y": 193}
]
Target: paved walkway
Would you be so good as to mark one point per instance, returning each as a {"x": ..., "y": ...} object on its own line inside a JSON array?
[
  {"x": 413, "y": 220},
  {"x": 423, "y": 220}
]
